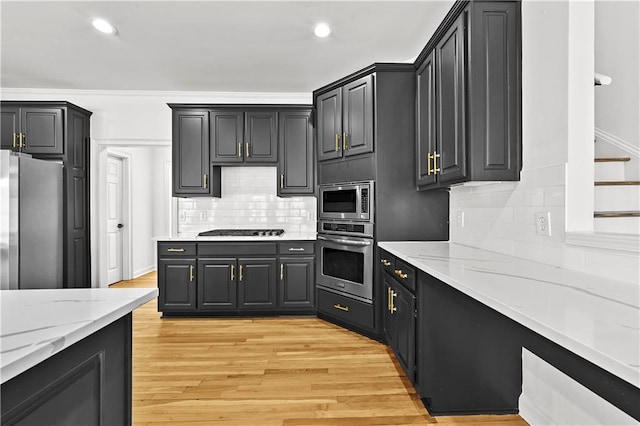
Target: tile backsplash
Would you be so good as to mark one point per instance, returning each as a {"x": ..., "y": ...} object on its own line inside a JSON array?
[{"x": 248, "y": 200}]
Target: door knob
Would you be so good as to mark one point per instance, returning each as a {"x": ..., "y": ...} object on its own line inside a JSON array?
[{"x": 120, "y": 226}]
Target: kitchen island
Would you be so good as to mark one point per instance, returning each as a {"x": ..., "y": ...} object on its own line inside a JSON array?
[
  {"x": 585, "y": 326},
  {"x": 66, "y": 355}
]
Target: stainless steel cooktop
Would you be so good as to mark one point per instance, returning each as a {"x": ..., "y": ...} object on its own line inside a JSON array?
[{"x": 242, "y": 233}]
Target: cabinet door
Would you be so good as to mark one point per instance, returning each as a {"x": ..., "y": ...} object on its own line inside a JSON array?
[
  {"x": 227, "y": 139},
  {"x": 261, "y": 137},
  {"x": 77, "y": 251},
  {"x": 256, "y": 283},
  {"x": 450, "y": 104},
  {"x": 295, "y": 166},
  {"x": 426, "y": 121},
  {"x": 405, "y": 333},
  {"x": 42, "y": 130},
  {"x": 9, "y": 128},
  {"x": 296, "y": 285},
  {"x": 390, "y": 325},
  {"x": 191, "y": 153},
  {"x": 357, "y": 116},
  {"x": 177, "y": 285},
  {"x": 329, "y": 124},
  {"x": 217, "y": 284}
]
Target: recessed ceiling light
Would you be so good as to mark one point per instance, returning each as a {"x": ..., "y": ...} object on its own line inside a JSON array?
[
  {"x": 103, "y": 26},
  {"x": 322, "y": 30}
]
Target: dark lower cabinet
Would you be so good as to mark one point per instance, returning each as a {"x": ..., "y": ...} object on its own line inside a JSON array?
[
  {"x": 217, "y": 284},
  {"x": 296, "y": 285},
  {"x": 88, "y": 383},
  {"x": 234, "y": 278},
  {"x": 177, "y": 284},
  {"x": 256, "y": 283},
  {"x": 400, "y": 325}
]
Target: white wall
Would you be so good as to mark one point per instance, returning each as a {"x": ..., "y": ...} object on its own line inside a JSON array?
[{"x": 138, "y": 119}]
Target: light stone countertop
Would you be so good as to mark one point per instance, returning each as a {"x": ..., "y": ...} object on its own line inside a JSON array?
[
  {"x": 287, "y": 236},
  {"x": 37, "y": 324},
  {"x": 594, "y": 317}
]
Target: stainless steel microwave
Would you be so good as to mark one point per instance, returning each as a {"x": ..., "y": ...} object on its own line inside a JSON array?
[{"x": 346, "y": 201}]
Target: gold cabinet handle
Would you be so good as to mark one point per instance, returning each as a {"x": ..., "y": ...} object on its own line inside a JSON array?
[
  {"x": 23, "y": 144},
  {"x": 400, "y": 273},
  {"x": 246, "y": 146},
  {"x": 240, "y": 277},
  {"x": 389, "y": 299},
  {"x": 429, "y": 164},
  {"x": 393, "y": 307},
  {"x": 233, "y": 272},
  {"x": 282, "y": 272},
  {"x": 239, "y": 149},
  {"x": 175, "y": 250},
  {"x": 344, "y": 141},
  {"x": 191, "y": 273},
  {"x": 342, "y": 308},
  {"x": 435, "y": 162},
  {"x": 337, "y": 142},
  {"x": 281, "y": 181},
  {"x": 385, "y": 262},
  {"x": 14, "y": 139},
  {"x": 205, "y": 181}
]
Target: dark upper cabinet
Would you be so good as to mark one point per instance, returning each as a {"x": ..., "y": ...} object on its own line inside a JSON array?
[
  {"x": 227, "y": 136},
  {"x": 468, "y": 97},
  {"x": 449, "y": 160},
  {"x": 426, "y": 125},
  {"x": 10, "y": 128},
  {"x": 217, "y": 284},
  {"x": 261, "y": 137},
  {"x": 243, "y": 137},
  {"x": 193, "y": 175},
  {"x": 256, "y": 283},
  {"x": 296, "y": 286},
  {"x": 177, "y": 284},
  {"x": 295, "y": 166},
  {"x": 34, "y": 130},
  {"x": 345, "y": 120}
]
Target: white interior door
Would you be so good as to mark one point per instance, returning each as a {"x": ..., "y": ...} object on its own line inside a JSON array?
[{"x": 114, "y": 219}]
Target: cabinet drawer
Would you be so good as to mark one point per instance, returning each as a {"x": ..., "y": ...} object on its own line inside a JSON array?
[
  {"x": 177, "y": 249},
  {"x": 405, "y": 275},
  {"x": 346, "y": 309},
  {"x": 388, "y": 262},
  {"x": 293, "y": 247},
  {"x": 249, "y": 248}
]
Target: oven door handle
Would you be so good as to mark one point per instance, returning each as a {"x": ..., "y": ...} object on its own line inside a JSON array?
[{"x": 345, "y": 241}]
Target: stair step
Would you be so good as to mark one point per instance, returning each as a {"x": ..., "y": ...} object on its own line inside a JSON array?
[
  {"x": 608, "y": 171},
  {"x": 616, "y": 198},
  {"x": 617, "y": 182},
  {"x": 617, "y": 224},
  {"x": 612, "y": 159}
]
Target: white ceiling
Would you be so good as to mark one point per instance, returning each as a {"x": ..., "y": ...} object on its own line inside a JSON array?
[{"x": 239, "y": 46}]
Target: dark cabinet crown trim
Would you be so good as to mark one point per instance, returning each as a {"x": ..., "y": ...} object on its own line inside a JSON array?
[{"x": 378, "y": 66}]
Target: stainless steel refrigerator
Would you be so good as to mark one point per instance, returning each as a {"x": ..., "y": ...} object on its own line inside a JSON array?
[{"x": 30, "y": 222}]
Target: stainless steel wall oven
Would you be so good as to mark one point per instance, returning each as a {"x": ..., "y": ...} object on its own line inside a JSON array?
[{"x": 346, "y": 259}]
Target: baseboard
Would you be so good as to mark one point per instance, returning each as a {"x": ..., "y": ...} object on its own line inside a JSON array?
[
  {"x": 532, "y": 414},
  {"x": 617, "y": 142},
  {"x": 141, "y": 272}
]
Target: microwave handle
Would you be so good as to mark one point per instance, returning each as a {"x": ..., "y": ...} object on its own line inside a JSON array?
[{"x": 346, "y": 242}]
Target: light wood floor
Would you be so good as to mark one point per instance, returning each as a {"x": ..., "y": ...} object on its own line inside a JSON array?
[{"x": 269, "y": 371}]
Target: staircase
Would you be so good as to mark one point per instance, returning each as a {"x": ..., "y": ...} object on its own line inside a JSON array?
[{"x": 616, "y": 200}]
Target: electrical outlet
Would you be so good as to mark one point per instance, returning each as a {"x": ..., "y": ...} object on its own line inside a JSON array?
[
  {"x": 460, "y": 219},
  {"x": 543, "y": 224},
  {"x": 203, "y": 215},
  {"x": 182, "y": 217}
]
